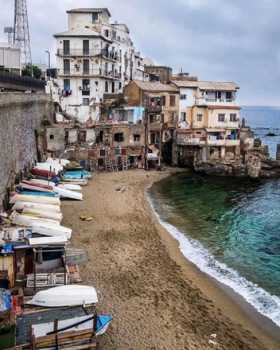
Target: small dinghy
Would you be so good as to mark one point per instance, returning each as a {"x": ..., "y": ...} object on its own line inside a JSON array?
[
  {"x": 74, "y": 324},
  {"x": 71, "y": 187},
  {"x": 44, "y": 214},
  {"x": 42, "y": 182},
  {"x": 34, "y": 199},
  {"x": 51, "y": 230},
  {"x": 36, "y": 193},
  {"x": 43, "y": 173},
  {"x": 29, "y": 185},
  {"x": 81, "y": 182},
  {"x": 29, "y": 220},
  {"x": 65, "y": 296},
  {"x": 37, "y": 206},
  {"x": 63, "y": 193},
  {"x": 39, "y": 241},
  {"x": 77, "y": 174}
]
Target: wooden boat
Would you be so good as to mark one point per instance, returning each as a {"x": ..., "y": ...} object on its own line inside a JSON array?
[
  {"x": 43, "y": 214},
  {"x": 81, "y": 182},
  {"x": 51, "y": 229},
  {"x": 42, "y": 182},
  {"x": 34, "y": 199},
  {"x": 19, "y": 206},
  {"x": 71, "y": 187},
  {"x": 48, "y": 174},
  {"x": 63, "y": 193},
  {"x": 69, "y": 295},
  {"x": 77, "y": 174},
  {"x": 35, "y": 187},
  {"x": 74, "y": 324},
  {"x": 39, "y": 241},
  {"x": 29, "y": 220},
  {"x": 37, "y": 193}
]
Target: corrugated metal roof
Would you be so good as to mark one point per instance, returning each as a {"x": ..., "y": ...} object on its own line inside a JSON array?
[
  {"x": 155, "y": 86},
  {"x": 207, "y": 85},
  {"x": 90, "y": 10}
]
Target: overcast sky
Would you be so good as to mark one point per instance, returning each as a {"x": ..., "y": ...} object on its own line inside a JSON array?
[{"x": 228, "y": 40}]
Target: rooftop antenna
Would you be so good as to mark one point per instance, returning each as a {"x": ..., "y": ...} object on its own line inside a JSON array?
[
  {"x": 21, "y": 31},
  {"x": 9, "y": 31}
]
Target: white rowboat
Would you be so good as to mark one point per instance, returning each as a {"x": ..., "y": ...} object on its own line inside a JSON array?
[
  {"x": 69, "y": 295},
  {"x": 35, "y": 199},
  {"x": 28, "y": 205}
]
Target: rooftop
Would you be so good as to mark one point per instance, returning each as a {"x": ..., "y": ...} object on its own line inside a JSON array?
[
  {"x": 81, "y": 32},
  {"x": 155, "y": 86},
  {"x": 90, "y": 10},
  {"x": 207, "y": 85}
]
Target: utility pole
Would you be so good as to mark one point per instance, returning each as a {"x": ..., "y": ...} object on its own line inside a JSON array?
[{"x": 21, "y": 31}]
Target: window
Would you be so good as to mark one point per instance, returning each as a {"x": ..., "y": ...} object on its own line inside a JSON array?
[
  {"x": 136, "y": 137},
  {"x": 86, "y": 67},
  {"x": 66, "y": 66},
  {"x": 66, "y": 47},
  {"x": 199, "y": 117},
  {"x": 183, "y": 97},
  {"x": 229, "y": 96},
  {"x": 113, "y": 87},
  {"x": 106, "y": 33},
  {"x": 233, "y": 117},
  {"x": 172, "y": 100},
  {"x": 85, "y": 101},
  {"x": 94, "y": 17},
  {"x": 120, "y": 85},
  {"x": 106, "y": 86},
  {"x": 163, "y": 100},
  {"x": 221, "y": 117},
  {"x": 114, "y": 35},
  {"x": 85, "y": 47},
  {"x": 66, "y": 84},
  {"x": 118, "y": 137},
  {"x": 51, "y": 137},
  {"x": 102, "y": 153},
  {"x": 86, "y": 87},
  {"x": 183, "y": 116}
]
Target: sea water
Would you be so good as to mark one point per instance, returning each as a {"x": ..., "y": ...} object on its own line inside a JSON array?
[{"x": 229, "y": 228}]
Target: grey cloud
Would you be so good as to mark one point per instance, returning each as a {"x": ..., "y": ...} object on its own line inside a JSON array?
[{"x": 214, "y": 39}]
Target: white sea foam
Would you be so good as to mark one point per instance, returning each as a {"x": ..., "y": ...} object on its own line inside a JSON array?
[{"x": 266, "y": 304}]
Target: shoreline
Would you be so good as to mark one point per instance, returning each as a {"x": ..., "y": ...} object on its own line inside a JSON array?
[
  {"x": 144, "y": 280},
  {"x": 216, "y": 289}
]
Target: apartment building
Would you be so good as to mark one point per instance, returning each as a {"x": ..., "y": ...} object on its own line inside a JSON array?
[
  {"x": 209, "y": 119},
  {"x": 161, "y": 102},
  {"x": 94, "y": 57}
]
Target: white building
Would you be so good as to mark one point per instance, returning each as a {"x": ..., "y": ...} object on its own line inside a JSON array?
[
  {"x": 94, "y": 57},
  {"x": 10, "y": 58}
]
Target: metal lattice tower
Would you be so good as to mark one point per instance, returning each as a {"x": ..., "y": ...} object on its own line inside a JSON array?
[{"x": 21, "y": 31}]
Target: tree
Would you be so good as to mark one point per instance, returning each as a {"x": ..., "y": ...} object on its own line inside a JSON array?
[{"x": 27, "y": 71}]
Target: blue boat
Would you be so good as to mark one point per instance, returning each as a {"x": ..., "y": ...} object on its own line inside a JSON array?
[
  {"x": 77, "y": 174},
  {"x": 37, "y": 193}
]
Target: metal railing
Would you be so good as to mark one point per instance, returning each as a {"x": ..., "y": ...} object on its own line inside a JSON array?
[
  {"x": 91, "y": 72},
  {"x": 112, "y": 55},
  {"x": 12, "y": 81}
]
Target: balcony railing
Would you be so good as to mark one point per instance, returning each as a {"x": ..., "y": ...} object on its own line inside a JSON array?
[
  {"x": 215, "y": 101},
  {"x": 111, "y": 55},
  {"x": 91, "y": 72}
]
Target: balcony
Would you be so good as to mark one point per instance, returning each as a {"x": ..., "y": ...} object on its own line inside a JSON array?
[
  {"x": 223, "y": 142},
  {"x": 106, "y": 54},
  {"x": 201, "y": 101},
  {"x": 101, "y": 73},
  {"x": 183, "y": 140}
]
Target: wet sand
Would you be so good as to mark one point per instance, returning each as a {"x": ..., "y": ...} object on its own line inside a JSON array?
[{"x": 157, "y": 298}]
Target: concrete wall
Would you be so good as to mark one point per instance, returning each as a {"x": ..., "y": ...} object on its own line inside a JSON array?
[{"x": 21, "y": 117}]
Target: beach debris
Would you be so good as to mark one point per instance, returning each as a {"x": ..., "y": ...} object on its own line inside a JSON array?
[
  {"x": 212, "y": 339},
  {"x": 121, "y": 189},
  {"x": 86, "y": 218}
]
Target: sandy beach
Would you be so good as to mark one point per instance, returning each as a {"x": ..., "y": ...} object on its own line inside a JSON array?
[{"x": 157, "y": 298}]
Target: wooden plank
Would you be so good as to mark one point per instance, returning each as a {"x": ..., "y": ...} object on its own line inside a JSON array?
[{"x": 64, "y": 338}]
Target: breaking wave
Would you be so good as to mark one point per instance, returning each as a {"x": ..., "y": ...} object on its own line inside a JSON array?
[{"x": 266, "y": 304}]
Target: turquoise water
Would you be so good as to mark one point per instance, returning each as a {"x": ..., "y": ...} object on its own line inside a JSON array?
[
  {"x": 232, "y": 231},
  {"x": 228, "y": 227}
]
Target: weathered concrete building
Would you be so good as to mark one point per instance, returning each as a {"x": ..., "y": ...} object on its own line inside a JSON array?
[
  {"x": 10, "y": 58},
  {"x": 94, "y": 56},
  {"x": 209, "y": 123}
]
